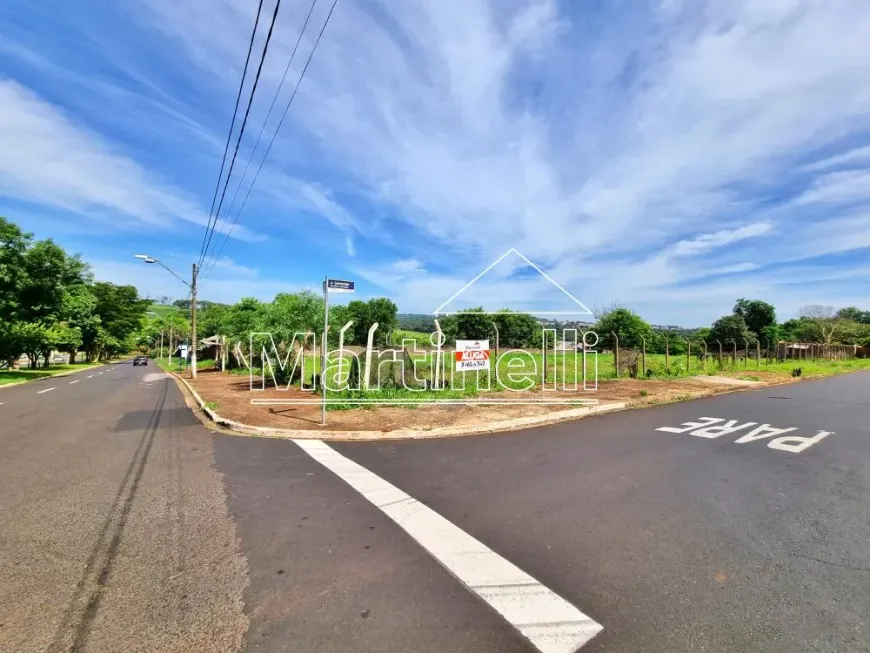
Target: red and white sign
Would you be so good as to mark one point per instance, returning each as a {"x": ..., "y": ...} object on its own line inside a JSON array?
[{"x": 472, "y": 355}]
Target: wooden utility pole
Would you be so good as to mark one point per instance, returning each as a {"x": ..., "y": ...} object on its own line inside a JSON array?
[{"x": 193, "y": 323}]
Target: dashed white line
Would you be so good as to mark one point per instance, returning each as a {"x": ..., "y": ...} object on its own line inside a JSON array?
[
  {"x": 99, "y": 373},
  {"x": 89, "y": 376},
  {"x": 547, "y": 620},
  {"x": 44, "y": 391},
  {"x": 76, "y": 381}
]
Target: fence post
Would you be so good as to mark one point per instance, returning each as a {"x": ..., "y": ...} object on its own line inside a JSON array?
[
  {"x": 667, "y": 356},
  {"x": 746, "y": 356},
  {"x": 720, "y": 353},
  {"x": 615, "y": 352},
  {"x": 734, "y": 355},
  {"x": 688, "y": 355},
  {"x": 643, "y": 355},
  {"x": 704, "y": 342},
  {"x": 757, "y": 353}
]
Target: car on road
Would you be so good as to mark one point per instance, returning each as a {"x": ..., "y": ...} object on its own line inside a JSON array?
[{"x": 140, "y": 360}]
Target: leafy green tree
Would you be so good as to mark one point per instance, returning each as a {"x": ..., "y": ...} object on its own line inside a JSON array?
[
  {"x": 245, "y": 317},
  {"x": 122, "y": 313},
  {"x": 469, "y": 324},
  {"x": 517, "y": 329},
  {"x": 771, "y": 334},
  {"x": 628, "y": 326},
  {"x": 13, "y": 273},
  {"x": 365, "y": 314},
  {"x": 292, "y": 313},
  {"x": 854, "y": 314},
  {"x": 757, "y": 315},
  {"x": 798, "y": 330},
  {"x": 728, "y": 328}
]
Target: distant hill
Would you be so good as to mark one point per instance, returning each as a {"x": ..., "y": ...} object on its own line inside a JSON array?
[{"x": 421, "y": 322}]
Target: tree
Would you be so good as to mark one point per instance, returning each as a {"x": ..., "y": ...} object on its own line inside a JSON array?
[
  {"x": 826, "y": 321},
  {"x": 122, "y": 314},
  {"x": 728, "y": 328},
  {"x": 757, "y": 314},
  {"x": 13, "y": 274},
  {"x": 364, "y": 314},
  {"x": 854, "y": 314},
  {"x": 628, "y": 326},
  {"x": 292, "y": 313},
  {"x": 245, "y": 317},
  {"x": 469, "y": 324},
  {"x": 517, "y": 329}
]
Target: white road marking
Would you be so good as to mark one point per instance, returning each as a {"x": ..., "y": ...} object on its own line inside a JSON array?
[
  {"x": 44, "y": 391},
  {"x": 712, "y": 427},
  {"x": 101, "y": 373},
  {"x": 547, "y": 620},
  {"x": 91, "y": 376},
  {"x": 76, "y": 381}
]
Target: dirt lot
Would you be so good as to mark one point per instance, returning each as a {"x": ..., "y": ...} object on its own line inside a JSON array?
[{"x": 231, "y": 397}]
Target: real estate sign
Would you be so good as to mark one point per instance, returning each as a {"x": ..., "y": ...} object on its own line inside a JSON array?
[{"x": 472, "y": 355}]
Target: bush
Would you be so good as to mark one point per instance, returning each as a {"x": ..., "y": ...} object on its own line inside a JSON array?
[{"x": 797, "y": 371}]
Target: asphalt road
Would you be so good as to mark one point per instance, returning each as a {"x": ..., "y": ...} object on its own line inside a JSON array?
[
  {"x": 672, "y": 540},
  {"x": 115, "y": 535}
]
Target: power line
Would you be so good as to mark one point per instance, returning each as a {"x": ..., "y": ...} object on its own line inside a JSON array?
[
  {"x": 230, "y": 134},
  {"x": 274, "y": 136},
  {"x": 244, "y": 123},
  {"x": 271, "y": 107}
]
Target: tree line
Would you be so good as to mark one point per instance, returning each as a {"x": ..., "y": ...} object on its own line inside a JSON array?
[
  {"x": 287, "y": 315},
  {"x": 49, "y": 301},
  {"x": 750, "y": 320}
]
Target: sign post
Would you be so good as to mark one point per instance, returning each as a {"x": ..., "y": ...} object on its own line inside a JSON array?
[{"x": 329, "y": 285}]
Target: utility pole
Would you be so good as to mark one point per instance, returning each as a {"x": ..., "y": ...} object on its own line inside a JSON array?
[
  {"x": 193, "y": 323},
  {"x": 323, "y": 350}
]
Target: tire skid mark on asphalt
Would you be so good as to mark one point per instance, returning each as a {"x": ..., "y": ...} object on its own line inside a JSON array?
[
  {"x": 544, "y": 618},
  {"x": 74, "y": 628}
]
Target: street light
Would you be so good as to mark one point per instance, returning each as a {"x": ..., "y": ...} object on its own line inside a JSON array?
[{"x": 192, "y": 286}]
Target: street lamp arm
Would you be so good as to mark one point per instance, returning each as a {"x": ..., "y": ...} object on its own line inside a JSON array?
[{"x": 172, "y": 272}]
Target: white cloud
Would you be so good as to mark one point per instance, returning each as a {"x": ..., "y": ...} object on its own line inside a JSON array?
[
  {"x": 47, "y": 159},
  {"x": 627, "y": 152},
  {"x": 706, "y": 242},
  {"x": 858, "y": 155}
]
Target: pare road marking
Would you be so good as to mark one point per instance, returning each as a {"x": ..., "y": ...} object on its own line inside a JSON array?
[{"x": 715, "y": 427}]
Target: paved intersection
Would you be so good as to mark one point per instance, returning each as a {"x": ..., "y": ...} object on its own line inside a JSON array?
[{"x": 671, "y": 541}]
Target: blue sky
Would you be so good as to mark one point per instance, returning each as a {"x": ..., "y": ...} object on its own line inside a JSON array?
[{"x": 670, "y": 156}]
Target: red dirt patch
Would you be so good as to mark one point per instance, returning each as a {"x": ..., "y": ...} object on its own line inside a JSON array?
[{"x": 232, "y": 396}]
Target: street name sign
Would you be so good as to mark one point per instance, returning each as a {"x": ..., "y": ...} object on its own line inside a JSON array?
[{"x": 337, "y": 285}]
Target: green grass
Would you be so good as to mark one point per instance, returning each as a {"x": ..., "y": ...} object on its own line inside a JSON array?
[
  {"x": 11, "y": 377},
  {"x": 419, "y": 337},
  {"x": 674, "y": 367},
  {"x": 178, "y": 365},
  {"x": 164, "y": 311}
]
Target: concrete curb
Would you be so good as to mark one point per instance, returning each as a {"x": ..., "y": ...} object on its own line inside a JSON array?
[
  {"x": 457, "y": 431},
  {"x": 398, "y": 434}
]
